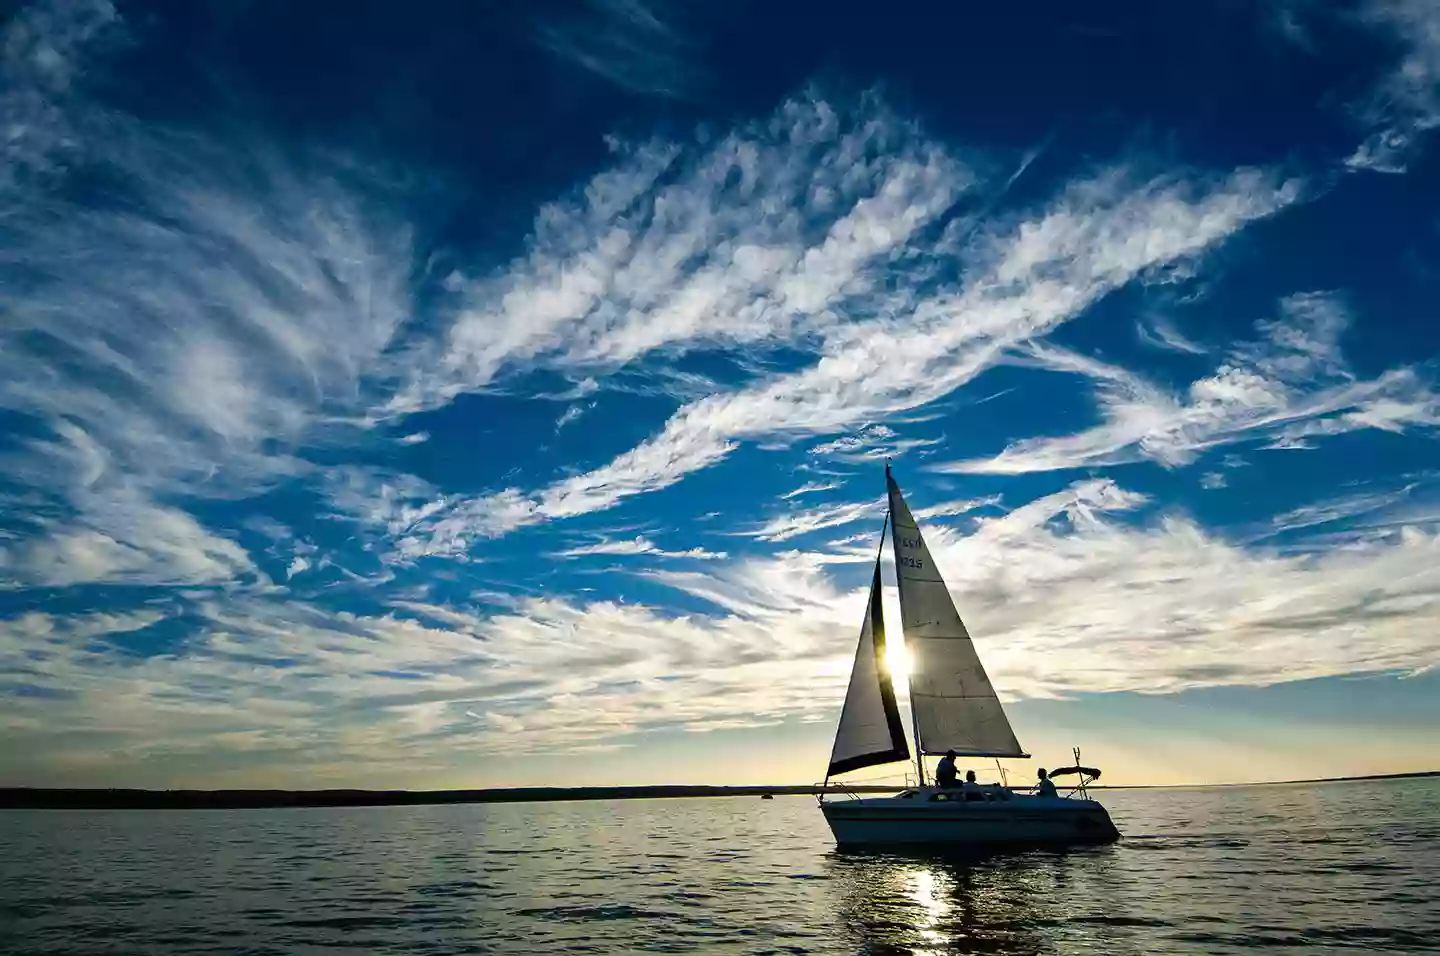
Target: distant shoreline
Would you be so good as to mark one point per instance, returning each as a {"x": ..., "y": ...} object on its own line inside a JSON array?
[{"x": 37, "y": 798}]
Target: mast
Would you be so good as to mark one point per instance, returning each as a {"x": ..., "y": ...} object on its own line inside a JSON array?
[
  {"x": 914, "y": 718},
  {"x": 915, "y": 730}
]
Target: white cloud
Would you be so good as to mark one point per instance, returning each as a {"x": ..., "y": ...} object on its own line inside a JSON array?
[
  {"x": 1385, "y": 151},
  {"x": 1061, "y": 595},
  {"x": 571, "y": 414},
  {"x": 275, "y": 530},
  {"x": 752, "y": 239},
  {"x": 1289, "y": 384},
  {"x": 1170, "y": 606},
  {"x": 638, "y": 545},
  {"x": 1161, "y": 333},
  {"x": 43, "y": 57},
  {"x": 1026, "y": 275},
  {"x": 233, "y": 306},
  {"x": 1213, "y": 480},
  {"x": 285, "y": 681},
  {"x": 119, "y": 536},
  {"x": 871, "y": 443},
  {"x": 953, "y": 508},
  {"x": 392, "y": 505},
  {"x": 1407, "y": 103},
  {"x": 795, "y": 523},
  {"x": 184, "y": 334},
  {"x": 1338, "y": 509},
  {"x": 626, "y": 42},
  {"x": 811, "y": 487},
  {"x": 32, "y": 641},
  {"x": 266, "y": 300}
]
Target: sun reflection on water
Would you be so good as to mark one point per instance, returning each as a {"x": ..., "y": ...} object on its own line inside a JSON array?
[
  {"x": 926, "y": 890},
  {"x": 998, "y": 904}
]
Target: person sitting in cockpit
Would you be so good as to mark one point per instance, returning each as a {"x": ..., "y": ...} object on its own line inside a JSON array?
[{"x": 945, "y": 771}]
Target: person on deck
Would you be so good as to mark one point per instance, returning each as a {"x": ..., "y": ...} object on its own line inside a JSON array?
[
  {"x": 972, "y": 789},
  {"x": 1046, "y": 786},
  {"x": 945, "y": 771}
]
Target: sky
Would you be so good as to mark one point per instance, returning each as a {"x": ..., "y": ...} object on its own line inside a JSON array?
[{"x": 455, "y": 394}]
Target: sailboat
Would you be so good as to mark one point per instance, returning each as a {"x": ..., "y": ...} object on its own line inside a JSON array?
[{"x": 954, "y": 710}]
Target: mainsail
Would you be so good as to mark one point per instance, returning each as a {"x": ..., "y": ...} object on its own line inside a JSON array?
[
  {"x": 954, "y": 704},
  {"x": 870, "y": 731}
]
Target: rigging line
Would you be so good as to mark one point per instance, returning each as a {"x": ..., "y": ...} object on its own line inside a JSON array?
[
  {"x": 865, "y": 780},
  {"x": 880, "y": 551},
  {"x": 890, "y": 496}
]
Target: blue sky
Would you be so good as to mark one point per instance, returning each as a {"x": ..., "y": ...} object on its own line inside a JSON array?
[{"x": 437, "y": 396}]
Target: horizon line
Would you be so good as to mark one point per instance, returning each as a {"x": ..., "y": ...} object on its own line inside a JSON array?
[{"x": 100, "y": 798}]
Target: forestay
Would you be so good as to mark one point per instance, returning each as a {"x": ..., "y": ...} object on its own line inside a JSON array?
[
  {"x": 870, "y": 731},
  {"x": 955, "y": 705}
]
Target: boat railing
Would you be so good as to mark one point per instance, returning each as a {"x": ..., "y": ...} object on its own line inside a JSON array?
[
  {"x": 827, "y": 787},
  {"x": 860, "y": 789}
]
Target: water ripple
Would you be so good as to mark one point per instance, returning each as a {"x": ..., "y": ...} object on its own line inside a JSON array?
[{"x": 1310, "y": 869}]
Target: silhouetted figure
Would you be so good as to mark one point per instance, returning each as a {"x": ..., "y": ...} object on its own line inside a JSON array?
[
  {"x": 945, "y": 771},
  {"x": 1046, "y": 787},
  {"x": 972, "y": 789}
]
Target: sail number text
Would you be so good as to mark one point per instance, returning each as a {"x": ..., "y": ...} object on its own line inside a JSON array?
[{"x": 906, "y": 560}]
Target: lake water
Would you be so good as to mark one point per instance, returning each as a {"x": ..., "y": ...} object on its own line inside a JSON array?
[{"x": 1352, "y": 866}]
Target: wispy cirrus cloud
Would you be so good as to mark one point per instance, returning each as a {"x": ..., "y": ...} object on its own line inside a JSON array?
[
  {"x": 751, "y": 240},
  {"x": 1186, "y": 606},
  {"x": 400, "y": 692},
  {"x": 869, "y": 444},
  {"x": 1161, "y": 333},
  {"x": 181, "y": 333},
  {"x": 44, "y": 58},
  {"x": 266, "y": 299},
  {"x": 211, "y": 331},
  {"x": 1066, "y": 594},
  {"x": 122, "y": 537},
  {"x": 955, "y": 507},
  {"x": 1338, "y": 509},
  {"x": 1290, "y": 383},
  {"x": 1028, "y": 273},
  {"x": 1406, "y": 105},
  {"x": 638, "y": 545},
  {"x": 803, "y": 521},
  {"x": 811, "y": 487},
  {"x": 631, "y": 43},
  {"x": 571, "y": 415}
]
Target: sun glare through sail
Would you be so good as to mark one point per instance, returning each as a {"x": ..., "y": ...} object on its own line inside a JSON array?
[{"x": 897, "y": 660}]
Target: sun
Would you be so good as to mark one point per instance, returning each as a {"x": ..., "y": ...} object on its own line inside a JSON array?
[{"x": 897, "y": 660}]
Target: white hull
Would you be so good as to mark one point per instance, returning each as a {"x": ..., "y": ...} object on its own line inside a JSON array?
[{"x": 920, "y": 819}]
